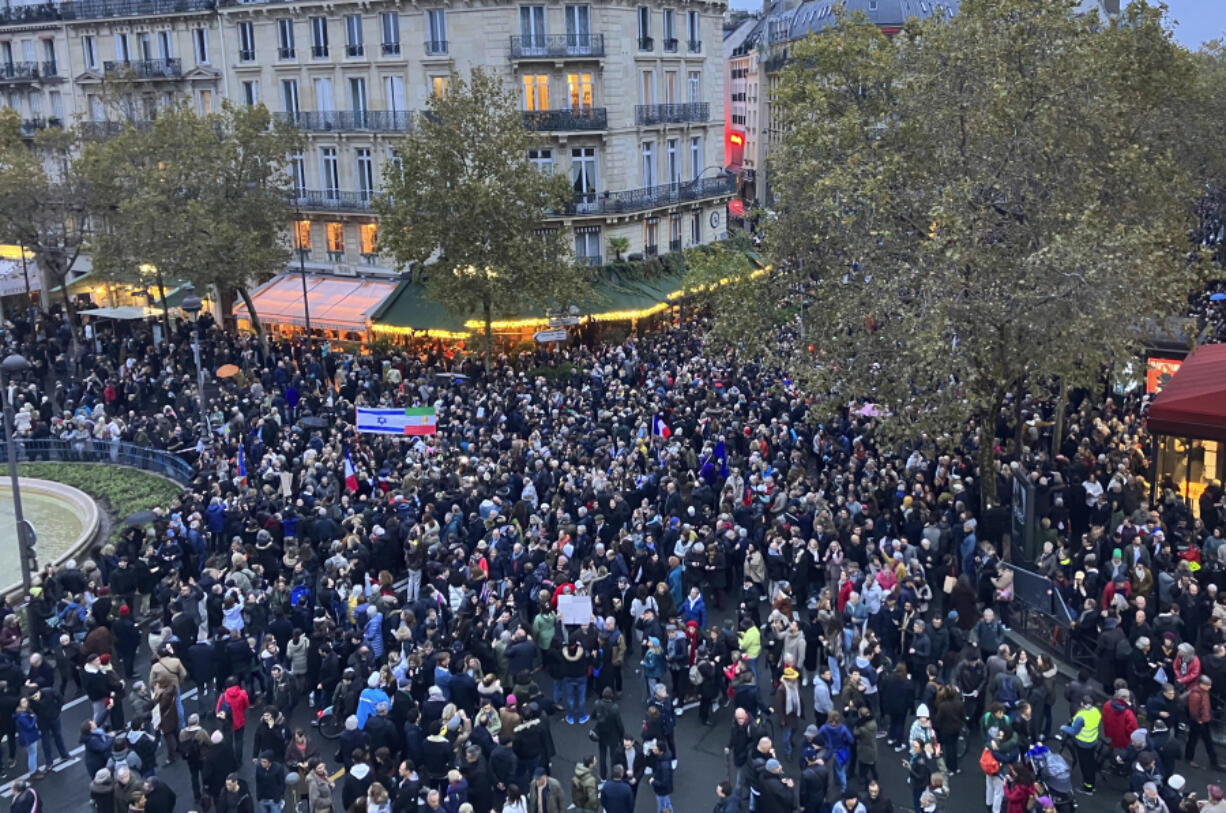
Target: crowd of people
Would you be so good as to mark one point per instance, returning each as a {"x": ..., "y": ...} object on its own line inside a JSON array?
[{"x": 824, "y": 597}]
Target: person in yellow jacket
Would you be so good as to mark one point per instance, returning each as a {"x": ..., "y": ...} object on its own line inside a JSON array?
[
  {"x": 1086, "y": 729},
  {"x": 749, "y": 641}
]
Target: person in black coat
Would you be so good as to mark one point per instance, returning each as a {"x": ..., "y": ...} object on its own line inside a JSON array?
[
  {"x": 504, "y": 766},
  {"x": 476, "y": 772},
  {"x": 616, "y": 795},
  {"x": 234, "y": 797},
  {"x": 159, "y": 798},
  {"x": 127, "y": 641},
  {"x": 358, "y": 780},
  {"x": 219, "y": 762}
]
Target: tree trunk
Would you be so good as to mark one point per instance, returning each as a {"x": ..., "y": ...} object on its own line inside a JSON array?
[
  {"x": 74, "y": 348},
  {"x": 488, "y": 334},
  {"x": 256, "y": 327},
  {"x": 165, "y": 306},
  {"x": 1019, "y": 428},
  {"x": 987, "y": 460},
  {"x": 1057, "y": 431}
]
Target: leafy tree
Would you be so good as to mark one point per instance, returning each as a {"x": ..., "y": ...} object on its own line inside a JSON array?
[
  {"x": 475, "y": 205},
  {"x": 985, "y": 204},
  {"x": 42, "y": 202},
  {"x": 199, "y": 198},
  {"x": 619, "y": 246}
]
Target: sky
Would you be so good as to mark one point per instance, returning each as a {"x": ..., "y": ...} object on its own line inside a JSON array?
[{"x": 1194, "y": 21}]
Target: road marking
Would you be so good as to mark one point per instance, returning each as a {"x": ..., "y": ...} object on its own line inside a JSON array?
[{"x": 66, "y": 763}]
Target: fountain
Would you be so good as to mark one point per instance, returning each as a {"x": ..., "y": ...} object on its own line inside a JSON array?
[{"x": 66, "y": 520}]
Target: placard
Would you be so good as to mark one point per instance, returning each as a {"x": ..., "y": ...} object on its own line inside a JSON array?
[{"x": 575, "y": 609}]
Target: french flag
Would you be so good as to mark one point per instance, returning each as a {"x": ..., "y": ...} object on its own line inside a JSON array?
[
  {"x": 659, "y": 427},
  {"x": 351, "y": 474},
  {"x": 242, "y": 465}
]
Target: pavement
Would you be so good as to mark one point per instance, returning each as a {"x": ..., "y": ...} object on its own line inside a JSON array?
[{"x": 701, "y": 760}]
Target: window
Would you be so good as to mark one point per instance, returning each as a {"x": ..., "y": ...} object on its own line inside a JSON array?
[
  {"x": 329, "y": 172},
  {"x": 436, "y": 31},
  {"x": 366, "y": 173},
  {"x": 36, "y": 105},
  {"x": 57, "y": 104},
  {"x": 532, "y": 29},
  {"x": 336, "y": 241},
  {"x": 122, "y": 54},
  {"x": 246, "y": 42},
  {"x": 536, "y": 92},
  {"x": 369, "y": 238},
  {"x": 204, "y": 100},
  {"x": 648, "y": 87},
  {"x": 297, "y": 168},
  {"x": 251, "y": 93},
  {"x": 358, "y": 101},
  {"x": 6, "y": 53},
  {"x": 645, "y": 43},
  {"x": 319, "y": 37},
  {"x": 323, "y": 96},
  {"x": 579, "y": 29},
  {"x": 674, "y": 161},
  {"x": 96, "y": 110},
  {"x": 302, "y": 233},
  {"x": 200, "y": 38},
  {"x": 649, "y": 163},
  {"x": 696, "y": 228},
  {"x": 695, "y": 87},
  {"x": 693, "y": 27},
  {"x": 674, "y": 232},
  {"x": 670, "y": 30},
  {"x": 583, "y": 175},
  {"x": 393, "y": 92},
  {"x": 542, "y": 160},
  {"x": 695, "y": 157},
  {"x": 389, "y": 27},
  {"x": 439, "y": 85},
  {"x": 587, "y": 244},
  {"x": 354, "y": 44},
  {"x": 164, "y": 49},
  {"x": 670, "y": 87},
  {"x": 651, "y": 236},
  {"x": 285, "y": 38},
  {"x": 579, "y": 90},
  {"x": 289, "y": 98},
  {"x": 90, "y": 49},
  {"x": 144, "y": 47}
]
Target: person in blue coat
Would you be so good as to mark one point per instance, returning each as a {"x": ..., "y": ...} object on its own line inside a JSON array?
[
  {"x": 28, "y": 735},
  {"x": 662, "y": 776},
  {"x": 373, "y": 634},
  {"x": 695, "y": 609},
  {"x": 616, "y": 795},
  {"x": 838, "y": 741},
  {"x": 370, "y": 698}
]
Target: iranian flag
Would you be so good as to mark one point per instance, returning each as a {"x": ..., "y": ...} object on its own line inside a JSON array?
[{"x": 420, "y": 421}]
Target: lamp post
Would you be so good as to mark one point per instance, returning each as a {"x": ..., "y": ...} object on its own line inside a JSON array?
[
  {"x": 12, "y": 365},
  {"x": 192, "y": 307},
  {"x": 306, "y": 301}
]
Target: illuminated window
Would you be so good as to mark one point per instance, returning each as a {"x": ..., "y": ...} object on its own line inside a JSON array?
[
  {"x": 579, "y": 86},
  {"x": 536, "y": 92},
  {"x": 370, "y": 237},
  {"x": 439, "y": 85},
  {"x": 302, "y": 234},
  {"x": 336, "y": 238}
]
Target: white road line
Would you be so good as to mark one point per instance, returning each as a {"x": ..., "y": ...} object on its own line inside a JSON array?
[{"x": 66, "y": 763}]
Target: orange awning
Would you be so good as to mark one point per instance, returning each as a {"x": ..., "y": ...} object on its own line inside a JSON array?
[{"x": 337, "y": 303}]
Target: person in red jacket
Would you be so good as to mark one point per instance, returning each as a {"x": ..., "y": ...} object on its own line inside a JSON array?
[
  {"x": 1199, "y": 715},
  {"x": 1187, "y": 666},
  {"x": 1119, "y": 721},
  {"x": 235, "y": 698},
  {"x": 1019, "y": 787}
]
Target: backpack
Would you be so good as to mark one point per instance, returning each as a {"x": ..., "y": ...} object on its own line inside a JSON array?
[
  {"x": 988, "y": 763},
  {"x": 970, "y": 678},
  {"x": 695, "y": 675},
  {"x": 1006, "y": 692},
  {"x": 298, "y": 594},
  {"x": 223, "y": 706}
]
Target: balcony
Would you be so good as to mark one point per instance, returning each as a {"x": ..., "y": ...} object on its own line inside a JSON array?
[
  {"x": 650, "y": 114},
  {"x": 436, "y": 48},
  {"x": 102, "y": 9},
  {"x": 355, "y": 50},
  {"x": 381, "y": 121},
  {"x": 558, "y": 46},
  {"x": 647, "y": 44},
  {"x": 246, "y": 55},
  {"x": 329, "y": 200},
  {"x": 145, "y": 68},
  {"x": 651, "y": 250},
  {"x": 651, "y": 197},
  {"x": 20, "y": 72},
  {"x": 694, "y": 46},
  {"x": 319, "y": 52},
  {"x": 391, "y": 49},
  {"x": 674, "y": 245},
  {"x": 671, "y": 46},
  {"x": 110, "y": 129},
  {"x": 31, "y": 126},
  {"x": 592, "y": 118},
  {"x": 285, "y": 53}
]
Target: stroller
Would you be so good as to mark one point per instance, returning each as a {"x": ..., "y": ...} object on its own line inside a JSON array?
[{"x": 1054, "y": 775}]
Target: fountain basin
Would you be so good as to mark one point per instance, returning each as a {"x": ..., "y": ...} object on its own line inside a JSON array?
[{"x": 66, "y": 520}]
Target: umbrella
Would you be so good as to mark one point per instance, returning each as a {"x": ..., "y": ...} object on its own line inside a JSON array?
[
  {"x": 1217, "y": 297},
  {"x": 140, "y": 518},
  {"x": 454, "y": 376},
  {"x": 313, "y": 422},
  {"x": 869, "y": 411},
  {"x": 227, "y": 371}
]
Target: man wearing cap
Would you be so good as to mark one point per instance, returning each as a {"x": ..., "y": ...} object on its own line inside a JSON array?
[
  {"x": 545, "y": 793},
  {"x": 778, "y": 793}
]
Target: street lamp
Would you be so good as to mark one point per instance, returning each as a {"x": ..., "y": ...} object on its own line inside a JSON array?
[
  {"x": 306, "y": 299},
  {"x": 11, "y": 366},
  {"x": 192, "y": 306}
]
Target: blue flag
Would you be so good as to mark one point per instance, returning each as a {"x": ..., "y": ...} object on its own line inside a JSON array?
[{"x": 707, "y": 470}]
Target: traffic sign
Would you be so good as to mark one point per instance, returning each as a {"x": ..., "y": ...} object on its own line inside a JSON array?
[
  {"x": 551, "y": 335},
  {"x": 563, "y": 321}
]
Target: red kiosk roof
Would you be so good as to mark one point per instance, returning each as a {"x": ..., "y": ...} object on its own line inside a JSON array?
[{"x": 1193, "y": 404}]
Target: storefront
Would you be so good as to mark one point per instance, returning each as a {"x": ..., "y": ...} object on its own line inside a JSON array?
[
  {"x": 340, "y": 307},
  {"x": 1188, "y": 421}
]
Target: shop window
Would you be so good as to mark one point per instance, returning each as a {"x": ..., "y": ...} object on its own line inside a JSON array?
[
  {"x": 302, "y": 235},
  {"x": 336, "y": 241},
  {"x": 369, "y": 233}
]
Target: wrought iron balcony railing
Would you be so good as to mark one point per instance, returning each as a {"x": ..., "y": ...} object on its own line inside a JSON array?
[
  {"x": 19, "y": 71},
  {"x": 332, "y": 200},
  {"x": 31, "y": 126},
  {"x": 671, "y": 45},
  {"x": 145, "y": 68},
  {"x": 101, "y": 9},
  {"x": 340, "y": 120},
  {"x": 695, "y": 46},
  {"x": 436, "y": 48},
  {"x": 651, "y": 197},
  {"x": 590, "y": 118},
  {"x": 647, "y": 114},
  {"x": 647, "y": 44},
  {"x": 558, "y": 46},
  {"x": 110, "y": 129},
  {"x": 391, "y": 49}
]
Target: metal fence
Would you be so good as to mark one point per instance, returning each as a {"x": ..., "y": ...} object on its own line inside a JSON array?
[
  {"x": 157, "y": 461},
  {"x": 1041, "y": 614}
]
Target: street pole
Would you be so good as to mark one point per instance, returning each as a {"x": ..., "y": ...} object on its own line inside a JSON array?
[
  {"x": 306, "y": 302},
  {"x": 11, "y": 450},
  {"x": 204, "y": 413},
  {"x": 26, "y": 271}
]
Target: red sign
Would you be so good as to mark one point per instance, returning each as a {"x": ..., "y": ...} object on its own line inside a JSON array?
[
  {"x": 736, "y": 206},
  {"x": 1158, "y": 371}
]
